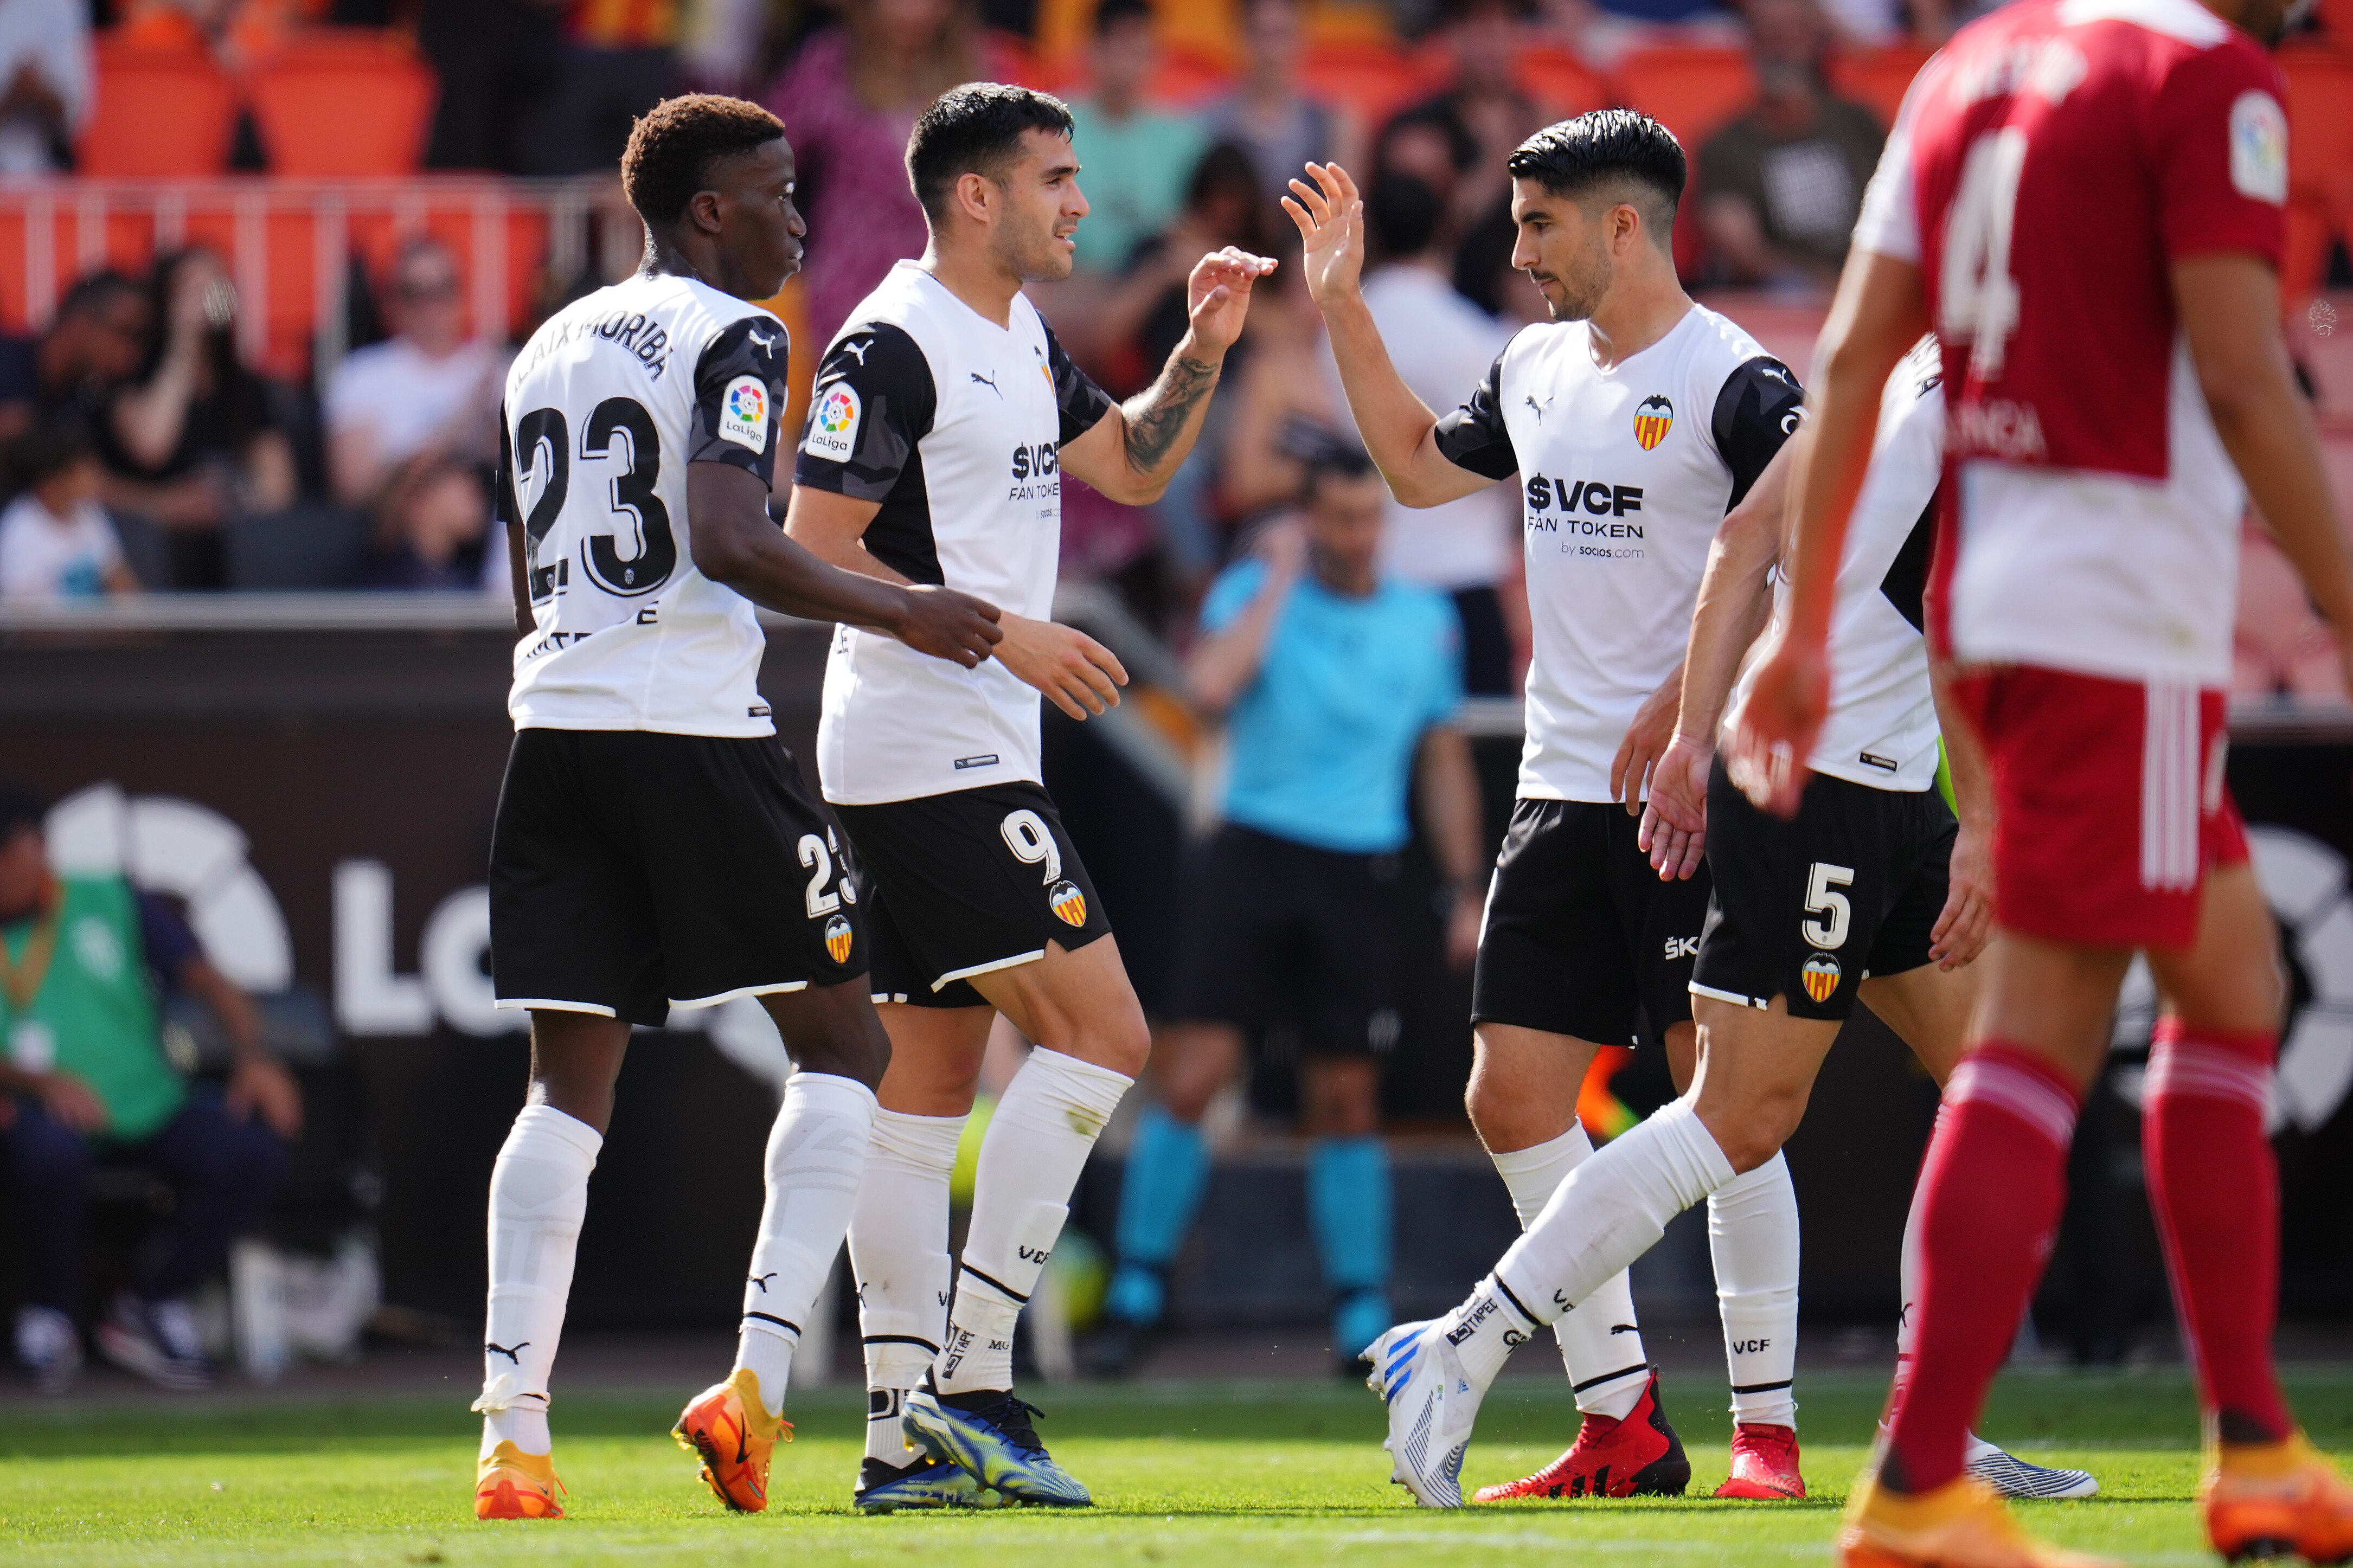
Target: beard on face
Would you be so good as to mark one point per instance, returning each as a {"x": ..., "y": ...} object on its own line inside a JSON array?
[{"x": 1580, "y": 282}]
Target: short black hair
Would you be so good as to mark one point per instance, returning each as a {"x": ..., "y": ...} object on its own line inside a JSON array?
[
  {"x": 51, "y": 447},
  {"x": 21, "y": 806},
  {"x": 1608, "y": 147},
  {"x": 1404, "y": 213},
  {"x": 976, "y": 129},
  {"x": 1332, "y": 460},
  {"x": 92, "y": 292},
  {"x": 672, "y": 146},
  {"x": 1110, "y": 14}
]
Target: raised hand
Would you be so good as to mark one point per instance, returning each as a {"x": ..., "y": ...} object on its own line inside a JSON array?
[
  {"x": 1217, "y": 295},
  {"x": 1331, "y": 219},
  {"x": 948, "y": 624}
]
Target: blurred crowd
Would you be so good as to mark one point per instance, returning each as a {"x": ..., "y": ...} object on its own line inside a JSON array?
[{"x": 141, "y": 451}]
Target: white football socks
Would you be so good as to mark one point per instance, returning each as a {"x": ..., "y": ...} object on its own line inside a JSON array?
[
  {"x": 1752, "y": 1233},
  {"x": 816, "y": 1152},
  {"x": 539, "y": 1195},
  {"x": 1046, "y": 1124},
  {"x": 1486, "y": 1328},
  {"x": 899, "y": 1256},
  {"x": 1612, "y": 1209},
  {"x": 1600, "y": 1344}
]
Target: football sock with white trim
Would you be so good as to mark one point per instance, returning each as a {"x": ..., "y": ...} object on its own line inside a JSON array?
[
  {"x": 899, "y": 1256},
  {"x": 1752, "y": 1234},
  {"x": 817, "y": 1153},
  {"x": 1045, "y": 1126},
  {"x": 539, "y": 1196},
  {"x": 1600, "y": 1341},
  {"x": 1612, "y": 1209}
]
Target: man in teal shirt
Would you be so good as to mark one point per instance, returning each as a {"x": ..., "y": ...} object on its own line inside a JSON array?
[
  {"x": 1135, "y": 158},
  {"x": 1338, "y": 688},
  {"x": 83, "y": 1071}
]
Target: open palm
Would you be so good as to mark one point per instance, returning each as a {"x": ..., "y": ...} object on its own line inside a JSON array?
[{"x": 1331, "y": 219}]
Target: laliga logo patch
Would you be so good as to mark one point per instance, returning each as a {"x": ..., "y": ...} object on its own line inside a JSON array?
[
  {"x": 838, "y": 939},
  {"x": 743, "y": 413},
  {"x": 2258, "y": 147},
  {"x": 1070, "y": 905},
  {"x": 1820, "y": 977},
  {"x": 833, "y": 424},
  {"x": 1652, "y": 420}
]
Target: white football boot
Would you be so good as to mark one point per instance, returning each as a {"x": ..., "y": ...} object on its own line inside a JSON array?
[{"x": 1431, "y": 1407}]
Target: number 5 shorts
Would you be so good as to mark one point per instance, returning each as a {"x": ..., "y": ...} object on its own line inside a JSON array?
[
  {"x": 968, "y": 883},
  {"x": 1809, "y": 909},
  {"x": 633, "y": 872}
]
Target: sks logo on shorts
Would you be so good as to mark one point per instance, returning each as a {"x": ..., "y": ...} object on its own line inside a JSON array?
[
  {"x": 838, "y": 936},
  {"x": 1069, "y": 904},
  {"x": 1653, "y": 419},
  {"x": 1820, "y": 977}
]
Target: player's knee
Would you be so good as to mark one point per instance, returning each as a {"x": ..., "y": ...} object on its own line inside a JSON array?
[{"x": 1503, "y": 1119}]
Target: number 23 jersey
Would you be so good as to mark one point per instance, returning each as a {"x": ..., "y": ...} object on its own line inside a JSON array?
[{"x": 606, "y": 406}]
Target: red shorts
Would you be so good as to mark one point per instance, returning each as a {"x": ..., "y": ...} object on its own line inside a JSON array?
[{"x": 2109, "y": 803}]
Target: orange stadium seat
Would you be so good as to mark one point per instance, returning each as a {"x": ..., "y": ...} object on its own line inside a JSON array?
[
  {"x": 1372, "y": 80},
  {"x": 337, "y": 103},
  {"x": 1690, "y": 90},
  {"x": 157, "y": 115},
  {"x": 1876, "y": 78},
  {"x": 1561, "y": 83}
]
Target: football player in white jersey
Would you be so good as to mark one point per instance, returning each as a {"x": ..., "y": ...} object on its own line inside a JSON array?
[
  {"x": 654, "y": 846},
  {"x": 944, "y": 416},
  {"x": 1638, "y": 422}
]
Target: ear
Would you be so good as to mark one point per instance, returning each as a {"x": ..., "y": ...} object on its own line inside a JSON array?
[
  {"x": 702, "y": 212},
  {"x": 975, "y": 196}
]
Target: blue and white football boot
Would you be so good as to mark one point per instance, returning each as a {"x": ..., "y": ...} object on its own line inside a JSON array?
[
  {"x": 1431, "y": 1407},
  {"x": 2012, "y": 1476},
  {"x": 988, "y": 1435},
  {"x": 923, "y": 1482}
]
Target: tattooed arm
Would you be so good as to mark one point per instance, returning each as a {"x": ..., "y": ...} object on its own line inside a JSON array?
[{"x": 1135, "y": 448}]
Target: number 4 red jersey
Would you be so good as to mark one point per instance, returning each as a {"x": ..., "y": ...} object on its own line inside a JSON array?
[{"x": 2047, "y": 170}]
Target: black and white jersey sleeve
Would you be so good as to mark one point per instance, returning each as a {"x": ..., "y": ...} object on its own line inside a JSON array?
[
  {"x": 874, "y": 402},
  {"x": 1077, "y": 399},
  {"x": 1758, "y": 409},
  {"x": 1472, "y": 437},
  {"x": 739, "y": 397}
]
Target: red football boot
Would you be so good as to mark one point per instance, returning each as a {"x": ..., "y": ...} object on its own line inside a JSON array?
[
  {"x": 1764, "y": 1464},
  {"x": 1638, "y": 1456}
]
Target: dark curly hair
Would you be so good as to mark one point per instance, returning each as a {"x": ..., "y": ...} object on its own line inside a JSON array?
[
  {"x": 1609, "y": 147},
  {"x": 673, "y": 146}
]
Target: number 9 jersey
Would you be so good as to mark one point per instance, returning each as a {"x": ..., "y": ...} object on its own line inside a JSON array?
[{"x": 605, "y": 408}]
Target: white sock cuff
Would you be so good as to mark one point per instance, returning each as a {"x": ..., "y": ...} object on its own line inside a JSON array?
[
  {"x": 843, "y": 1096},
  {"x": 1567, "y": 1151},
  {"x": 1744, "y": 1188},
  {"x": 541, "y": 1123},
  {"x": 1704, "y": 1168},
  {"x": 920, "y": 1142},
  {"x": 1080, "y": 1085}
]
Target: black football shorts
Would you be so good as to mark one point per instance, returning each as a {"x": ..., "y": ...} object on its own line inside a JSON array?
[
  {"x": 967, "y": 882},
  {"x": 633, "y": 872},
  {"x": 1809, "y": 909},
  {"x": 1277, "y": 931},
  {"x": 1581, "y": 935}
]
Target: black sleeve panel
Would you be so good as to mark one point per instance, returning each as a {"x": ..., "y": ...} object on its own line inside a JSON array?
[
  {"x": 502, "y": 487},
  {"x": 874, "y": 400},
  {"x": 739, "y": 396},
  {"x": 1472, "y": 437},
  {"x": 1758, "y": 408},
  {"x": 1082, "y": 403}
]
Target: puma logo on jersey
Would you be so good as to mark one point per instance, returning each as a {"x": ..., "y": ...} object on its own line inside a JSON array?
[
  {"x": 767, "y": 341},
  {"x": 1536, "y": 408},
  {"x": 988, "y": 381},
  {"x": 762, "y": 1280},
  {"x": 858, "y": 349}
]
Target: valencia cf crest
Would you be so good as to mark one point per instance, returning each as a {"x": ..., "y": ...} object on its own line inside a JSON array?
[
  {"x": 838, "y": 939},
  {"x": 1070, "y": 905},
  {"x": 1820, "y": 977},
  {"x": 1652, "y": 420}
]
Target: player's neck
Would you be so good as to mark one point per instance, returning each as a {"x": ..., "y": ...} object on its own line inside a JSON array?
[
  {"x": 973, "y": 275},
  {"x": 1635, "y": 314},
  {"x": 665, "y": 258}
]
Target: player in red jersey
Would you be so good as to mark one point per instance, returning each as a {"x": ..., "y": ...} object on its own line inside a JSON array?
[{"x": 2084, "y": 199}]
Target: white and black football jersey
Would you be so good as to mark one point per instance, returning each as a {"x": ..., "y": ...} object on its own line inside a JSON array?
[
  {"x": 606, "y": 406},
  {"x": 1626, "y": 474},
  {"x": 1882, "y": 726},
  {"x": 956, "y": 425}
]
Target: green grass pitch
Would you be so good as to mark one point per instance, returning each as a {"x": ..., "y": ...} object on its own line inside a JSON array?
[{"x": 1233, "y": 1476}]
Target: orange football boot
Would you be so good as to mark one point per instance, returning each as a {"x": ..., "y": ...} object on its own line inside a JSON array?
[
  {"x": 733, "y": 1433},
  {"x": 1961, "y": 1524},
  {"x": 511, "y": 1484},
  {"x": 1764, "y": 1464},
  {"x": 2267, "y": 1500}
]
